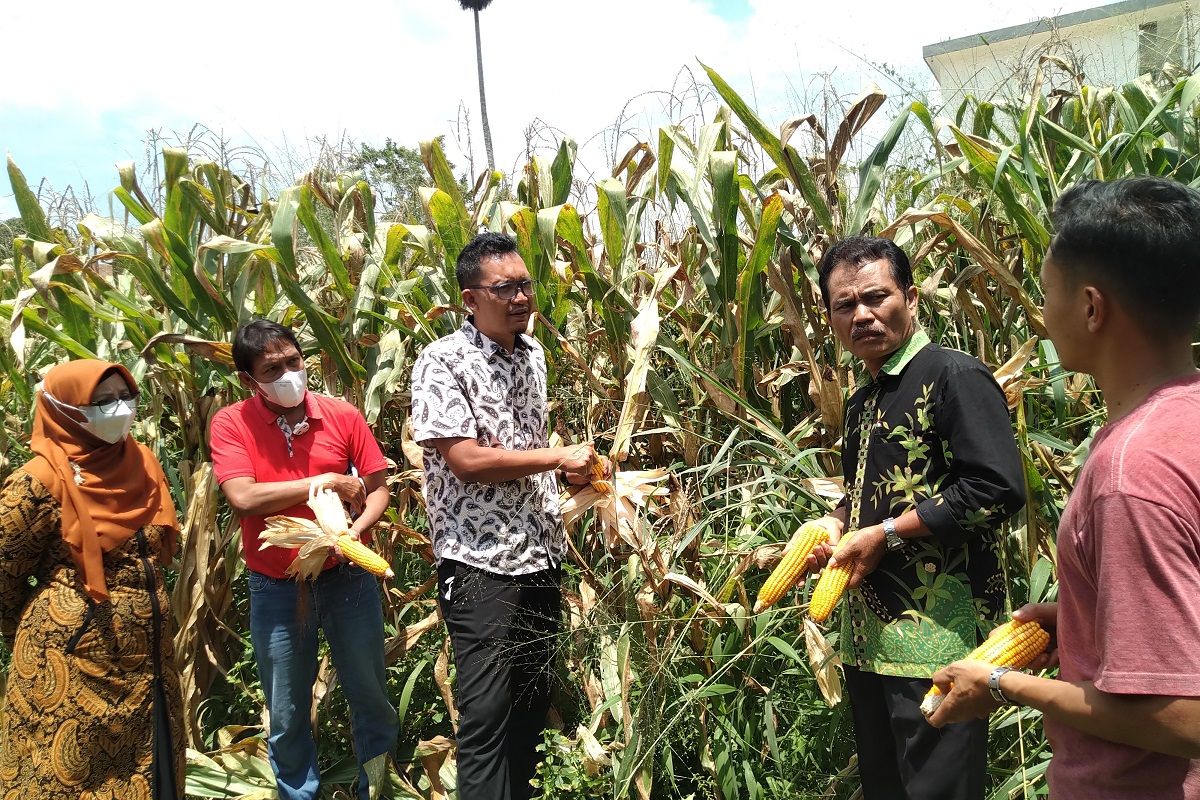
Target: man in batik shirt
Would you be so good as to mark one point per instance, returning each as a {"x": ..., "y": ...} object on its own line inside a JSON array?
[
  {"x": 932, "y": 472},
  {"x": 479, "y": 413}
]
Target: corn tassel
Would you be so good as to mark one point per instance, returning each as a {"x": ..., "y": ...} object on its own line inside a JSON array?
[
  {"x": 830, "y": 588},
  {"x": 1014, "y": 644},
  {"x": 791, "y": 566}
]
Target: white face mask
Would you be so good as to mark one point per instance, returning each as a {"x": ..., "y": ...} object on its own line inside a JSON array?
[
  {"x": 288, "y": 391},
  {"x": 110, "y": 422}
]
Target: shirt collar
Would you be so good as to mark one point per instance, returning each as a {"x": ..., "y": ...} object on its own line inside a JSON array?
[
  {"x": 898, "y": 360},
  {"x": 489, "y": 346},
  {"x": 268, "y": 417}
]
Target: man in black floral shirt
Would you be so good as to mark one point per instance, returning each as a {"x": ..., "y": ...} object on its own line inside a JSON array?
[
  {"x": 479, "y": 413},
  {"x": 932, "y": 472}
]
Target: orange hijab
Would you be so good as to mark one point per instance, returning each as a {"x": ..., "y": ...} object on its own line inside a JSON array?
[{"x": 123, "y": 484}]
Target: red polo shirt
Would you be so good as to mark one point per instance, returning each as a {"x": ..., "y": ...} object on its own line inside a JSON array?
[{"x": 246, "y": 441}]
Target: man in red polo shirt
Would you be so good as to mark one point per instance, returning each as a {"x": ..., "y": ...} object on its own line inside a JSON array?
[{"x": 266, "y": 452}]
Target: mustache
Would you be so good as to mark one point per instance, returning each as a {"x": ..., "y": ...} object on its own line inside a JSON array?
[{"x": 868, "y": 330}]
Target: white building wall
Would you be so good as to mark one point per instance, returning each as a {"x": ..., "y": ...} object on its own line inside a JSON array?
[{"x": 1106, "y": 50}]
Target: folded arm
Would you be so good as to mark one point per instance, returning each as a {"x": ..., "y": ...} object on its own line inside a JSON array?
[{"x": 250, "y": 498}]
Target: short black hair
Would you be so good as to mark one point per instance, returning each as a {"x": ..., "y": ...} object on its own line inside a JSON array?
[
  {"x": 857, "y": 251},
  {"x": 485, "y": 245},
  {"x": 253, "y": 339},
  {"x": 1138, "y": 238}
]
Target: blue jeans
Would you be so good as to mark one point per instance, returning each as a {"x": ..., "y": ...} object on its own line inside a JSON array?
[{"x": 344, "y": 603}]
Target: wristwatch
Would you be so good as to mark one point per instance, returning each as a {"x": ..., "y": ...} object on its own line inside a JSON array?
[
  {"x": 994, "y": 685},
  {"x": 894, "y": 542}
]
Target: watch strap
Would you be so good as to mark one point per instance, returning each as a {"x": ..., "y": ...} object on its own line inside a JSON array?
[
  {"x": 993, "y": 683},
  {"x": 891, "y": 538}
]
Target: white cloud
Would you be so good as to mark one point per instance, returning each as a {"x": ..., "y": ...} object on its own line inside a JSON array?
[{"x": 264, "y": 71}]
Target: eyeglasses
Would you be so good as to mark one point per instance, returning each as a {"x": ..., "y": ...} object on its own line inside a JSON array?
[
  {"x": 507, "y": 291},
  {"x": 110, "y": 405}
]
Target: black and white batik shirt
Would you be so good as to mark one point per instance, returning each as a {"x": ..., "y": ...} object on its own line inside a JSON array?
[{"x": 466, "y": 385}]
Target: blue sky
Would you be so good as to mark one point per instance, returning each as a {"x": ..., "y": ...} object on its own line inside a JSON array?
[
  {"x": 277, "y": 76},
  {"x": 732, "y": 10}
]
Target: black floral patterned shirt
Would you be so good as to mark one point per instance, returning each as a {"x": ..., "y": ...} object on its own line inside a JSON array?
[
  {"x": 467, "y": 386},
  {"x": 930, "y": 432}
]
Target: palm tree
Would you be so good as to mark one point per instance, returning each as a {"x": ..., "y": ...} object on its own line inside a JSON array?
[{"x": 476, "y": 6}]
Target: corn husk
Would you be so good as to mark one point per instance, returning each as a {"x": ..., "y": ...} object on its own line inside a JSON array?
[
  {"x": 616, "y": 502},
  {"x": 313, "y": 537},
  {"x": 825, "y": 663}
]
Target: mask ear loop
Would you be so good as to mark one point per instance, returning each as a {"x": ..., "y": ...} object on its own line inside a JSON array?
[{"x": 63, "y": 407}]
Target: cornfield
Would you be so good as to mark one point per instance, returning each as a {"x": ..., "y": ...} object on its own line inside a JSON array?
[{"x": 685, "y": 336}]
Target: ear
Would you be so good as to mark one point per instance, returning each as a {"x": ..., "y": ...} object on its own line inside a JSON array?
[
  {"x": 1095, "y": 309},
  {"x": 911, "y": 296},
  {"x": 247, "y": 382},
  {"x": 468, "y": 298}
]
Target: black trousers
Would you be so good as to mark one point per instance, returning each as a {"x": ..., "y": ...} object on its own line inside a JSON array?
[
  {"x": 504, "y": 630},
  {"x": 903, "y": 757}
]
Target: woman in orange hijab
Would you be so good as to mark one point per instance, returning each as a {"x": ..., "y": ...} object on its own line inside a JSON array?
[{"x": 92, "y": 704}]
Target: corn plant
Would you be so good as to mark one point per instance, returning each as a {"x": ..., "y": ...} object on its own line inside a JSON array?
[{"x": 685, "y": 335}]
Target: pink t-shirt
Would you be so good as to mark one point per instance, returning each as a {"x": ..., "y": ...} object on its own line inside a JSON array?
[
  {"x": 1129, "y": 594},
  {"x": 246, "y": 441}
]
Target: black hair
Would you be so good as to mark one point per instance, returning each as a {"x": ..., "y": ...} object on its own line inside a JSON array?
[
  {"x": 857, "y": 251},
  {"x": 485, "y": 245},
  {"x": 253, "y": 339},
  {"x": 1138, "y": 238}
]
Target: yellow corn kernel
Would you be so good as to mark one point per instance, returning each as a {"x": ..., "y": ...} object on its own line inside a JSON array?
[
  {"x": 830, "y": 587},
  {"x": 791, "y": 566},
  {"x": 828, "y": 592},
  {"x": 365, "y": 557},
  {"x": 599, "y": 467},
  {"x": 1014, "y": 644}
]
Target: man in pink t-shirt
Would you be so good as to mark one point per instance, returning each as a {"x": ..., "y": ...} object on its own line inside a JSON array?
[
  {"x": 1121, "y": 283},
  {"x": 266, "y": 451}
]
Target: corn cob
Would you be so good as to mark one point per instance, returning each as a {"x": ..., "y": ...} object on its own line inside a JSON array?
[
  {"x": 365, "y": 557},
  {"x": 830, "y": 588},
  {"x": 1014, "y": 644},
  {"x": 331, "y": 527},
  {"x": 331, "y": 516},
  {"x": 791, "y": 566},
  {"x": 599, "y": 468}
]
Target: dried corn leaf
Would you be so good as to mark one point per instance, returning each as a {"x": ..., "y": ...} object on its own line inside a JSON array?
[
  {"x": 404, "y": 642},
  {"x": 825, "y": 663},
  {"x": 595, "y": 757},
  {"x": 696, "y": 588},
  {"x": 218, "y": 352},
  {"x": 645, "y": 333},
  {"x": 413, "y": 452},
  {"x": 441, "y": 676},
  {"x": 434, "y": 754},
  {"x": 1015, "y": 365}
]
